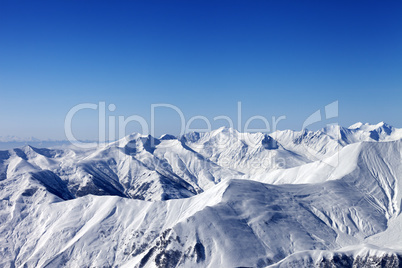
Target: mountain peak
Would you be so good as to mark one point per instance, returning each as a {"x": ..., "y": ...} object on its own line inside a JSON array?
[
  {"x": 224, "y": 130},
  {"x": 382, "y": 124},
  {"x": 369, "y": 127},
  {"x": 167, "y": 137},
  {"x": 356, "y": 125}
]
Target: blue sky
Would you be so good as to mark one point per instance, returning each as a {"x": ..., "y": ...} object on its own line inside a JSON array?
[{"x": 276, "y": 57}]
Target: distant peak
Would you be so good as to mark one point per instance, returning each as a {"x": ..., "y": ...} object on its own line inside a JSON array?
[
  {"x": 224, "y": 129},
  {"x": 356, "y": 125},
  {"x": 10, "y": 138},
  {"x": 383, "y": 124},
  {"x": 366, "y": 126},
  {"x": 332, "y": 127},
  {"x": 135, "y": 136},
  {"x": 167, "y": 137}
]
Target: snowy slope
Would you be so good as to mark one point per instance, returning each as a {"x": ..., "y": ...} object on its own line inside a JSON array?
[
  {"x": 206, "y": 200},
  {"x": 140, "y": 167},
  {"x": 237, "y": 223},
  {"x": 353, "y": 256},
  {"x": 245, "y": 152},
  {"x": 144, "y": 167},
  {"x": 318, "y": 145}
]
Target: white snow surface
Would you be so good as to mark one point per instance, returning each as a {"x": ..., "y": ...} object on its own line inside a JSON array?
[{"x": 216, "y": 199}]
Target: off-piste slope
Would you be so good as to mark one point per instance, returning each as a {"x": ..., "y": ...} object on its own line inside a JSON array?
[
  {"x": 373, "y": 168},
  {"x": 108, "y": 207},
  {"x": 352, "y": 256},
  {"x": 148, "y": 168},
  {"x": 320, "y": 144},
  {"x": 235, "y": 223},
  {"x": 238, "y": 222},
  {"x": 138, "y": 167},
  {"x": 248, "y": 153}
]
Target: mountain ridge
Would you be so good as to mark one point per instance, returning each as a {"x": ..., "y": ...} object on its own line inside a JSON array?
[{"x": 206, "y": 200}]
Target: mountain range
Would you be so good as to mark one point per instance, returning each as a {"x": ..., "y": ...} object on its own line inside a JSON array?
[{"x": 326, "y": 198}]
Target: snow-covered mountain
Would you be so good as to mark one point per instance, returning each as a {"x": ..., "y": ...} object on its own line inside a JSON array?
[{"x": 216, "y": 199}]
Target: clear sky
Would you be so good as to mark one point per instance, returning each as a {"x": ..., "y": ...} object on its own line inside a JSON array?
[{"x": 276, "y": 57}]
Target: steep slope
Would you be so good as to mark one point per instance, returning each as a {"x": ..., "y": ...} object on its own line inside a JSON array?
[
  {"x": 139, "y": 167},
  {"x": 143, "y": 167},
  {"x": 236, "y": 223},
  {"x": 248, "y": 153},
  {"x": 379, "y": 132},
  {"x": 354, "y": 256},
  {"x": 376, "y": 168},
  {"x": 56, "y": 207},
  {"x": 320, "y": 144}
]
